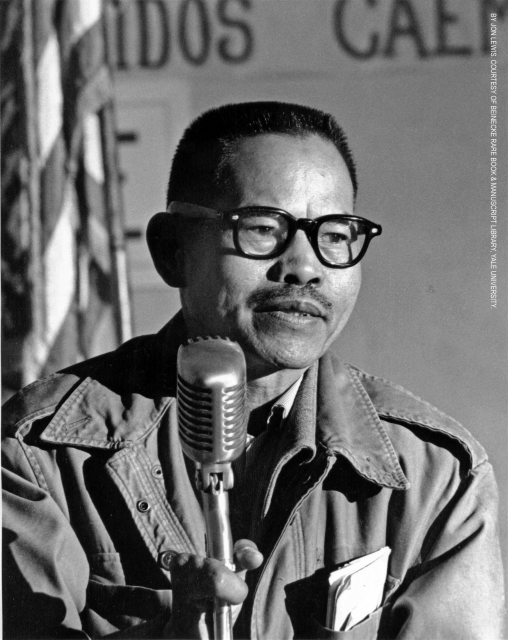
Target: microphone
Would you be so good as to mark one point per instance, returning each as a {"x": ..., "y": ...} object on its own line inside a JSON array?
[{"x": 212, "y": 425}]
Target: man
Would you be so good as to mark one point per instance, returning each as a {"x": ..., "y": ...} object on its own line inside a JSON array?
[{"x": 104, "y": 530}]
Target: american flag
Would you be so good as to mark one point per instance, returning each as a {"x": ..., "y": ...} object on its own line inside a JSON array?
[{"x": 64, "y": 283}]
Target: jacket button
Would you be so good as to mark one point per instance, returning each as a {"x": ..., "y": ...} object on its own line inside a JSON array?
[
  {"x": 156, "y": 471},
  {"x": 143, "y": 506},
  {"x": 165, "y": 558}
]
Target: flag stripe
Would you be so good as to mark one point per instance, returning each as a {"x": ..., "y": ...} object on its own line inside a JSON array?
[
  {"x": 53, "y": 182},
  {"x": 60, "y": 270},
  {"x": 100, "y": 340},
  {"x": 94, "y": 159},
  {"x": 63, "y": 345},
  {"x": 49, "y": 98},
  {"x": 85, "y": 14},
  {"x": 43, "y": 13},
  {"x": 99, "y": 243}
]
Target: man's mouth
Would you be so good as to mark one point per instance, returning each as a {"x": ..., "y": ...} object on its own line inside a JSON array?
[{"x": 295, "y": 308}]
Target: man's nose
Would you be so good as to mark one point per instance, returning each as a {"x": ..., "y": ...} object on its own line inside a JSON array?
[{"x": 299, "y": 264}]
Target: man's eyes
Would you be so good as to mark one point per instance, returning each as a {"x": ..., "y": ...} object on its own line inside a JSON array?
[
  {"x": 331, "y": 233},
  {"x": 334, "y": 237},
  {"x": 261, "y": 226},
  {"x": 261, "y": 229},
  {"x": 335, "y": 234}
]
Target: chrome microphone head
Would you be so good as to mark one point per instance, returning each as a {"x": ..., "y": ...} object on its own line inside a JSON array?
[{"x": 211, "y": 401}]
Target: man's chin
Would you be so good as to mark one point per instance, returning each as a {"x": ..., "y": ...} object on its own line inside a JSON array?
[{"x": 280, "y": 354}]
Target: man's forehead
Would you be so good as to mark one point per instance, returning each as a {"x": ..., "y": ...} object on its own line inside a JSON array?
[
  {"x": 256, "y": 148},
  {"x": 271, "y": 165}
]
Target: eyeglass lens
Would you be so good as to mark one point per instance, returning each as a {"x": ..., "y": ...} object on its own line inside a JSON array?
[{"x": 263, "y": 234}]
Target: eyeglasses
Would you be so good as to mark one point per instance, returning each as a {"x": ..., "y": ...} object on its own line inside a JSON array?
[{"x": 260, "y": 233}]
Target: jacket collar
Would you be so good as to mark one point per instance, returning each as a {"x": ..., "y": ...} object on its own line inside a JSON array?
[
  {"x": 347, "y": 424},
  {"x": 332, "y": 410},
  {"x": 124, "y": 394}
]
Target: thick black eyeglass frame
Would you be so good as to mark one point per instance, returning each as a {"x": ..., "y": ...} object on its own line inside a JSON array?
[{"x": 310, "y": 227}]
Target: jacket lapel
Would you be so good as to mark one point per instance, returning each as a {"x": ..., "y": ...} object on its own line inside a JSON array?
[{"x": 347, "y": 424}]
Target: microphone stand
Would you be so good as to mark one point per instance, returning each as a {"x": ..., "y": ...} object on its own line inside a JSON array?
[
  {"x": 219, "y": 541},
  {"x": 212, "y": 423}
]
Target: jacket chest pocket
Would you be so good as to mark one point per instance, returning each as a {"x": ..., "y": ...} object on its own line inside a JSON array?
[
  {"x": 369, "y": 629},
  {"x": 307, "y": 592},
  {"x": 308, "y": 610}
]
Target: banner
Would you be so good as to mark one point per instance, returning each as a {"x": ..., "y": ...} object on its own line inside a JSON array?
[{"x": 252, "y": 37}]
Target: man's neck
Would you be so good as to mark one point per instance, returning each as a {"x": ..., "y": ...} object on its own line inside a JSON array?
[
  {"x": 263, "y": 391},
  {"x": 261, "y": 394}
]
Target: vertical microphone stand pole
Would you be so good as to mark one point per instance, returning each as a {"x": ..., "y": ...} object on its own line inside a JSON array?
[{"x": 219, "y": 541}]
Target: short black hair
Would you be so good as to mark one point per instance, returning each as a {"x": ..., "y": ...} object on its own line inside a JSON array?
[{"x": 202, "y": 161}]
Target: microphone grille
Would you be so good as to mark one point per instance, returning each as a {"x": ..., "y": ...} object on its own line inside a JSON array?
[{"x": 211, "y": 400}]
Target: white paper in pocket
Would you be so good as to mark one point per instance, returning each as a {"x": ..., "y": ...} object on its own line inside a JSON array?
[{"x": 356, "y": 590}]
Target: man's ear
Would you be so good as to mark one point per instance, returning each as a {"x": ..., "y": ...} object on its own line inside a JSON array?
[{"x": 167, "y": 254}]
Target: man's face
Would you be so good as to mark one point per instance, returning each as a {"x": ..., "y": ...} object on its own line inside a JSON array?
[{"x": 285, "y": 311}]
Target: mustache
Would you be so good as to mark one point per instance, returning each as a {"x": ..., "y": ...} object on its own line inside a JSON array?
[{"x": 288, "y": 292}]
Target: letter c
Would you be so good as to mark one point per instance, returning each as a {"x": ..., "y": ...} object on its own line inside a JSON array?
[{"x": 339, "y": 14}]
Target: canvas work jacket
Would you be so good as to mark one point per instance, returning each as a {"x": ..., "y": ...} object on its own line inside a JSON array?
[{"x": 96, "y": 489}]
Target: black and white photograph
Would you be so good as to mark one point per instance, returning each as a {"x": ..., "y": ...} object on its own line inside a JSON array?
[{"x": 254, "y": 319}]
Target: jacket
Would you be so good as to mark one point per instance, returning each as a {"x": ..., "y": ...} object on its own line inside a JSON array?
[{"x": 96, "y": 489}]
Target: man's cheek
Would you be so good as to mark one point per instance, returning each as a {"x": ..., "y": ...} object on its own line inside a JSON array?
[
  {"x": 345, "y": 286},
  {"x": 238, "y": 283}
]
